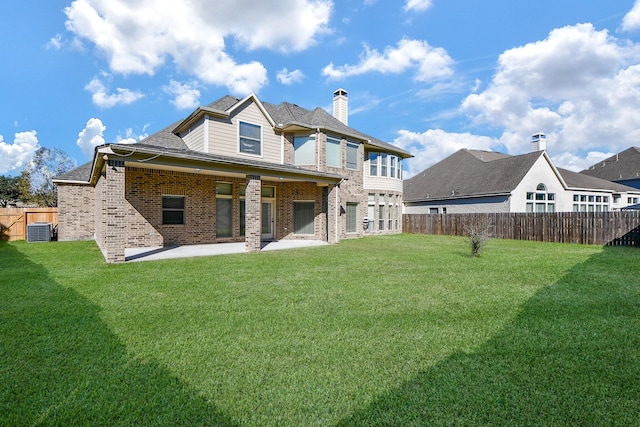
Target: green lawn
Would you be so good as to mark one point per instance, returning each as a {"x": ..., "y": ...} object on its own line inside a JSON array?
[{"x": 394, "y": 330}]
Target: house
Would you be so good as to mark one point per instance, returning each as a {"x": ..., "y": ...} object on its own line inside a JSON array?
[
  {"x": 475, "y": 181},
  {"x": 236, "y": 170},
  {"x": 623, "y": 168}
]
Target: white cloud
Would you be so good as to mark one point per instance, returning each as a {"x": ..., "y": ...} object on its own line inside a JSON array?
[
  {"x": 192, "y": 36},
  {"x": 103, "y": 99},
  {"x": 631, "y": 20},
  {"x": 55, "y": 42},
  {"x": 579, "y": 85},
  {"x": 91, "y": 136},
  {"x": 287, "y": 77},
  {"x": 130, "y": 137},
  {"x": 430, "y": 63},
  {"x": 417, "y": 5},
  {"x": 578, "y": 163},
  {"x": 435, "y": 144},
  {"x": 186, "y": 95},
  {"x": 16, "y": 155}
]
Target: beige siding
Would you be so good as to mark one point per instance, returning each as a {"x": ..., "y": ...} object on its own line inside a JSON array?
[
  {"x": 194, "y": 136},
  {"x": 223, "y": 135},
  {"x": 381, "y": 183}
]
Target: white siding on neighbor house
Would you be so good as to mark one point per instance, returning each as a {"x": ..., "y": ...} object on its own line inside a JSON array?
[
  {"x": 223, "y": 135},
  {"x": 485, "y": 205},
  {"x": 540, "y": 173},
  {"x": 194, "y": 136}
]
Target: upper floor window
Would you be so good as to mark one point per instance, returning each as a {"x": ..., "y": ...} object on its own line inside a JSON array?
[
  {"x": 352, "y": 155},
  {"x": 304, "y": 150},
  {"x": 383, "y": 164},
  {"x": 373, "y": 164},
  {"x": 250, "y": 136},
  {"x": 334, "y": 154}
]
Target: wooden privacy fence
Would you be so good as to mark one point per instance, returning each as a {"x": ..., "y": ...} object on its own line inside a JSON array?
[
  {"x": 13, "y": 221},
  {"x": 619, "y": 228}
]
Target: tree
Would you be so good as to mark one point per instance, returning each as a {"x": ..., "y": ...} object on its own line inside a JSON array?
[
  {"x": 9, "y": 191},
  {"x": 46, "y": 164}
]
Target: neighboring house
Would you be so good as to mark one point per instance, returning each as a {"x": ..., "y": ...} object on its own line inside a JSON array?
[
  {"x": 623, "y": 168},
  {"x": 474, "y": 181},
  {"x": 236, "y": 170}
]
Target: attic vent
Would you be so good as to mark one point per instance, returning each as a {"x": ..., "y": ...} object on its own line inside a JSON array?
[{"x": 39, "y": 232}]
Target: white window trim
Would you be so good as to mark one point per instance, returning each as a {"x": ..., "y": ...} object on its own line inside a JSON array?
[{"x": 261, "y": 155}]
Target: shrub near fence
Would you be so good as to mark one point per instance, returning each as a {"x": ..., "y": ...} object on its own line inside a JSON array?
[
  {"x": 619, "y": 228},
  {"x": 13, "y": 221}
]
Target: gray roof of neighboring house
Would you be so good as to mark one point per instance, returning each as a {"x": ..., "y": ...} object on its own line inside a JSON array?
[
  {"x": 624, "y": 165},
  {"x": 469, "y": 173},
  {"x": 580, "y": 180},
  {"x": 477, "y": 173}
]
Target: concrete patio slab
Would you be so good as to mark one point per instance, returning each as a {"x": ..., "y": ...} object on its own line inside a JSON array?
[{"x": 187, "y": 251}]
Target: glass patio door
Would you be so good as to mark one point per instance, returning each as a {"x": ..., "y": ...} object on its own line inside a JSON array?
[{"x": 267, "y": 220}]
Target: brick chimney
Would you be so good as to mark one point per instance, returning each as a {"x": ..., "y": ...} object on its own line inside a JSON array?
[{"x": 341, "y": 106}]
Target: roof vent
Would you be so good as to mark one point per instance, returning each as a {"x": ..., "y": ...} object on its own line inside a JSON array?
[{"x": 341, "y": 105}]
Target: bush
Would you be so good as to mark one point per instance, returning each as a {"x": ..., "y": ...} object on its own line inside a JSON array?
[{"x": 478, "y": 235}]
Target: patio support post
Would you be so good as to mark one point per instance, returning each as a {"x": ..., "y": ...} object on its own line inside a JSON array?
[
  {"x": 333, "y": 214},
  {"x": 114, "y": 212},
  {"x": 253, "y": 225}
]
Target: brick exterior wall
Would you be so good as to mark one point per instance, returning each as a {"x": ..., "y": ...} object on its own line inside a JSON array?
[
  {"x": 76, "y": 212},
  {"x": 124, "y": 209}
]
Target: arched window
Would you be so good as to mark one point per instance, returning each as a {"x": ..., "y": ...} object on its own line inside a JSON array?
[{"x": 541, "y": 201}]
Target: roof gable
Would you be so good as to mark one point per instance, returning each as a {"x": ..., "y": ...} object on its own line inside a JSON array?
[{"x": 470, "y": 173}]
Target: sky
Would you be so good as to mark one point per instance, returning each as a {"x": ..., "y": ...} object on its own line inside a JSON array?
[{"x": 430, "y": 76}]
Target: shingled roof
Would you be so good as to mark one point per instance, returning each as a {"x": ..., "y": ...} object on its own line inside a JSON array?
[
  {"x": 477, "y": 173},
  {"x": 470, "y": 173},
  {"x": 284, "y": 114},
  {"x": 622, "y": 166}
]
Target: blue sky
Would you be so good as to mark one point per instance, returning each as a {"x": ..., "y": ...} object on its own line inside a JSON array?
[{"x": 431, "y": 76}]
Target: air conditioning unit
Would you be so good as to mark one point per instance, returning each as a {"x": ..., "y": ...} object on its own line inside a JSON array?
[{"x": 39, "y": 232}]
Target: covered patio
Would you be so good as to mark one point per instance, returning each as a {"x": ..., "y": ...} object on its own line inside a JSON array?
[{"x": 188, "y": 251}]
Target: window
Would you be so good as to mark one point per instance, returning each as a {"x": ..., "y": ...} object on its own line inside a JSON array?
[
  {"x": 433, "y": 210},
  {"x": 243, "y": 210},
  {"x": 383, "y": 164},
  {"x": 393, "y": 166},
  {"x": 352, "y": 155},
  {"x": 352, "y": 217},
  {"x": 268, "y": 192},
  {"x": 223, "y": 209},
  {"x": 303, "y": 216},
  {"x": 529, "y": 196},
  {"x": 390, "y": 213},
  {"x": 304, "y": 150},
  {"x": 371, "y": 212},
  {"x": 223, "y": 217},
  {"x": 529, "y": 207},
  {"x": 250, "y": 139},
  {"x": 541, "y": 187},
  {"x": 381, "y": 212},
  {"x": 373, "y": 164},
  {"x": 399, "y": 172},
  {"x": 334, "y": 154},
  {"x": 172, "y": 209}
]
